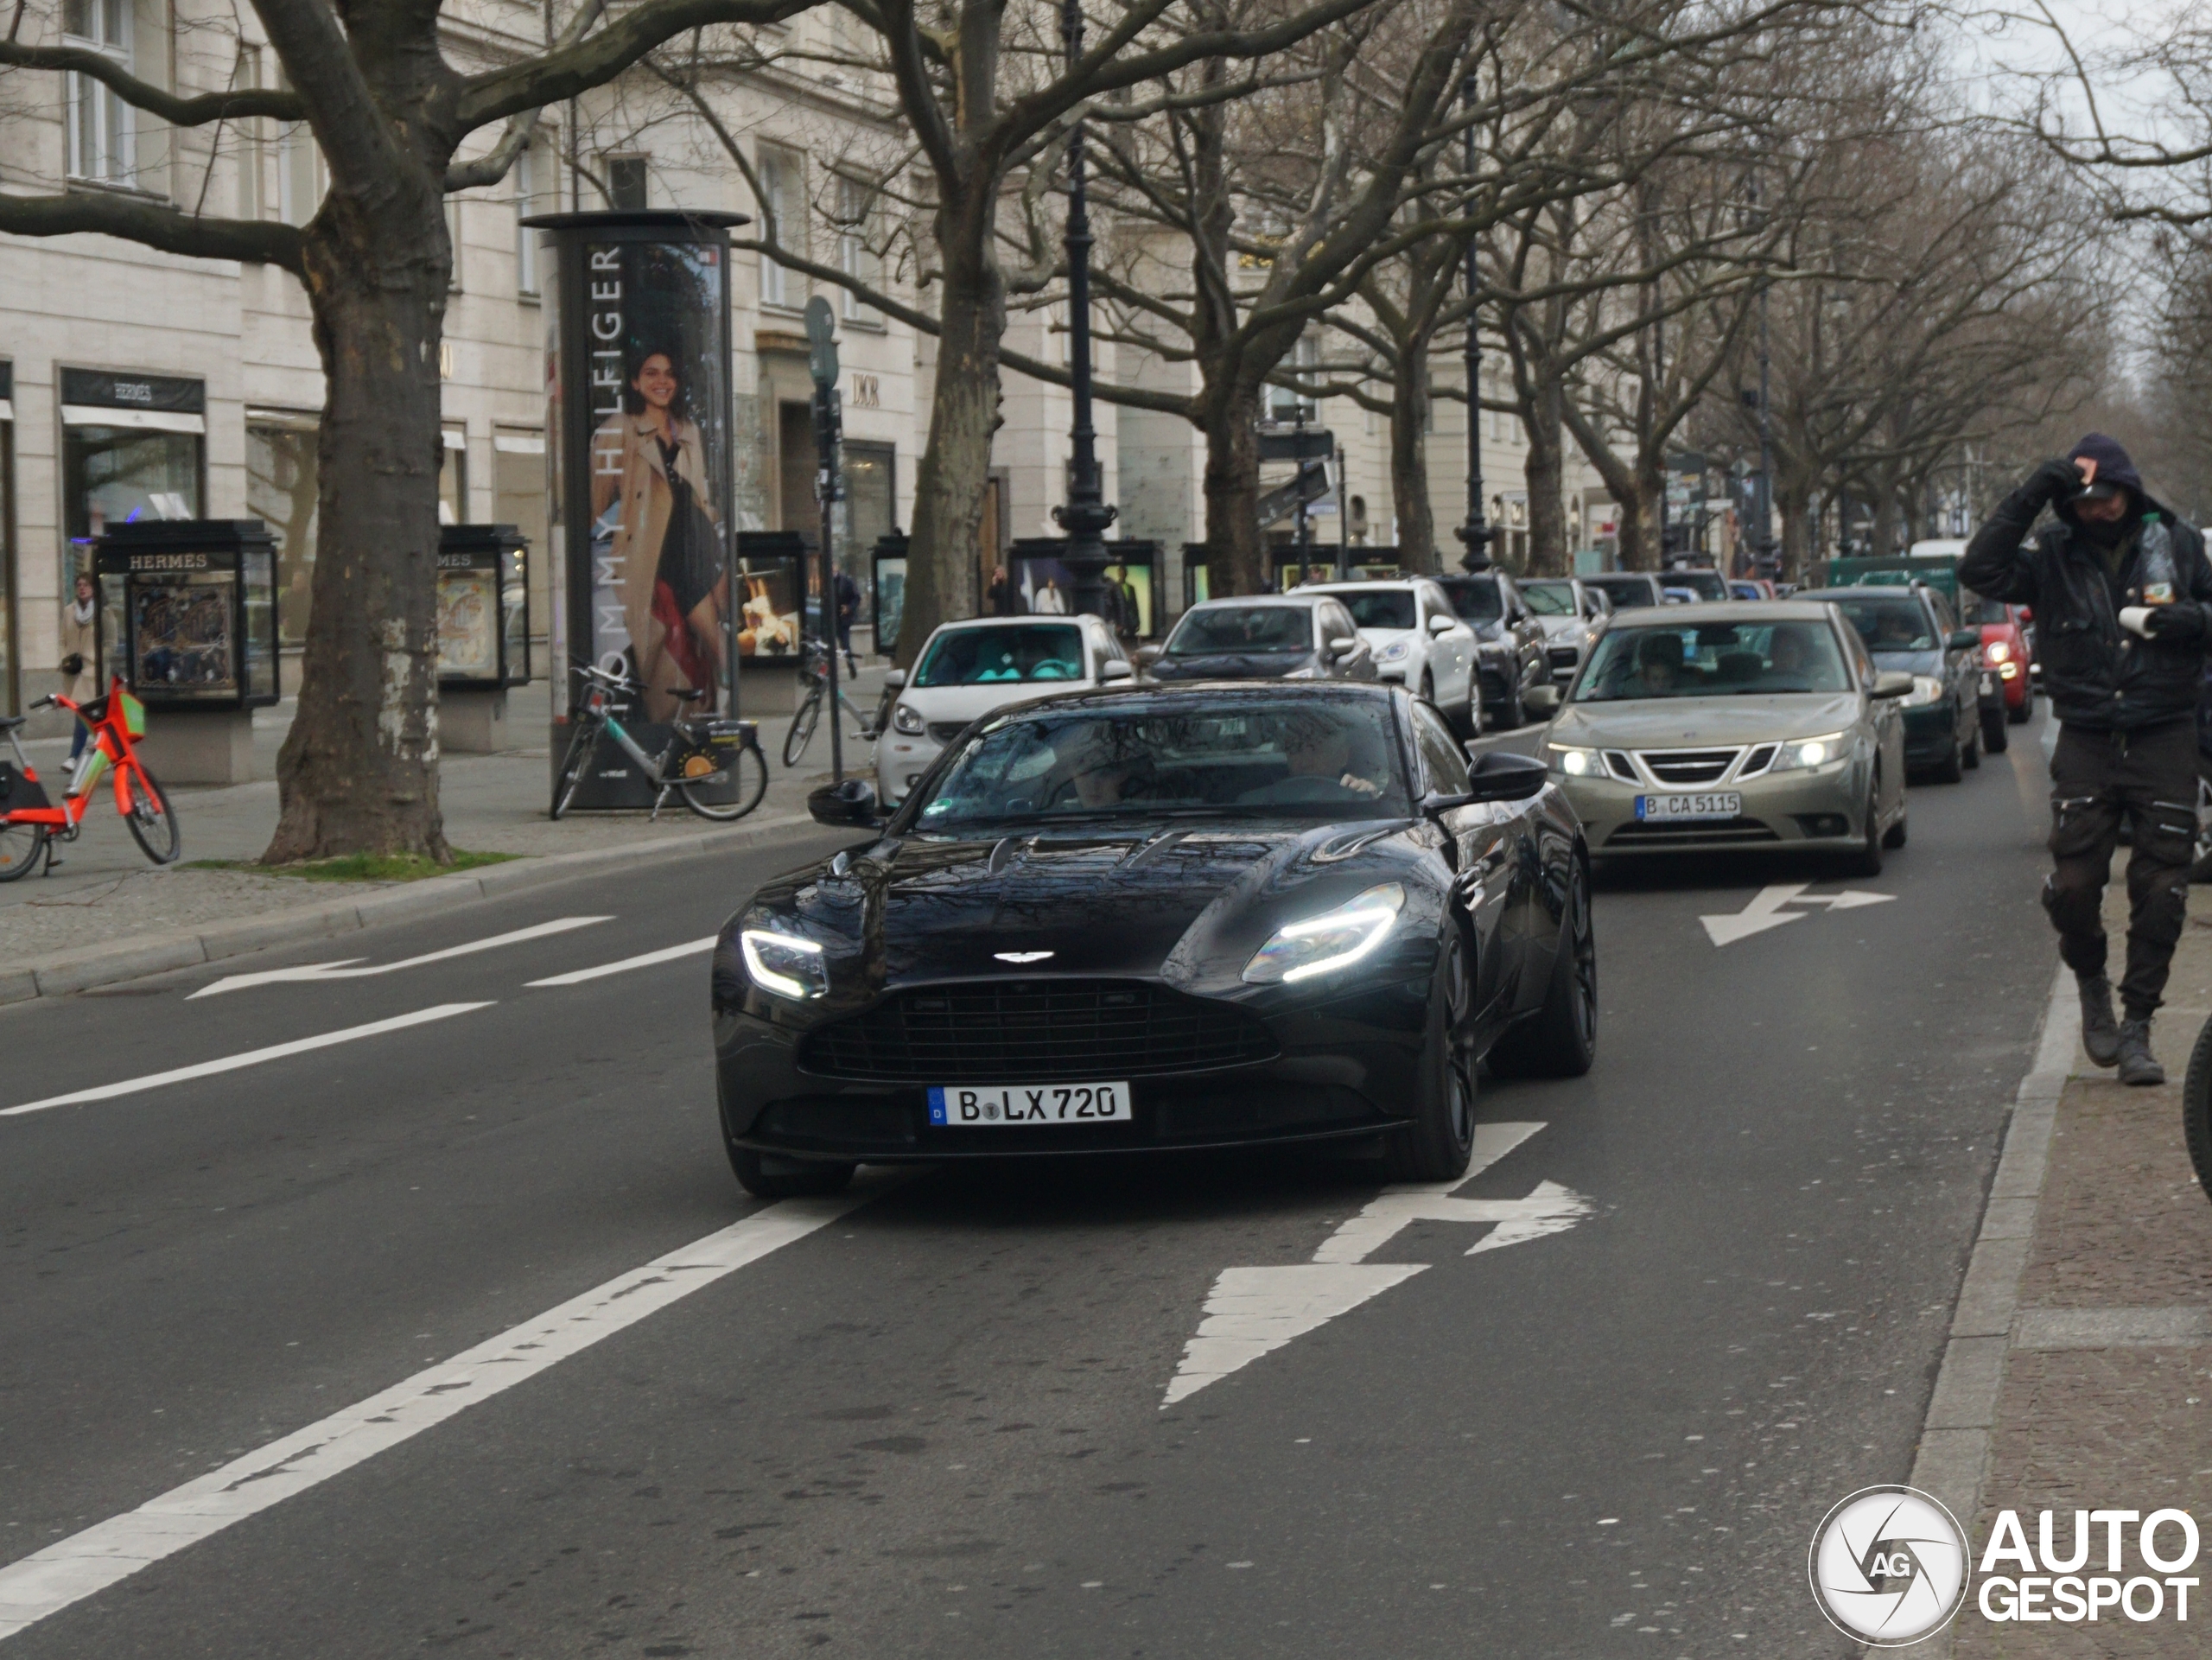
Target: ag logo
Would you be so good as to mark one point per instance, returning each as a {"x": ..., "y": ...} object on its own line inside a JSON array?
[{"x": 1889, "y": 1567}]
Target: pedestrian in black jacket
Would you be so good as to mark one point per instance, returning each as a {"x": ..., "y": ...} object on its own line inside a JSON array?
[{"x": 2120, "y": 590}]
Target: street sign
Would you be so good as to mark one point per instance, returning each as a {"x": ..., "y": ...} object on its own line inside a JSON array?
[{"x": 822, "y": 342}]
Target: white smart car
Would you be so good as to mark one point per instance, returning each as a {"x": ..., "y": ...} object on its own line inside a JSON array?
[
  {"x": 967, "y": 669},
  {"x": 1418, "y": 640}
]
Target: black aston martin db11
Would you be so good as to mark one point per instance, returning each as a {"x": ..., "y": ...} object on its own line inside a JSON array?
[{"x": 1196, "y": 916}]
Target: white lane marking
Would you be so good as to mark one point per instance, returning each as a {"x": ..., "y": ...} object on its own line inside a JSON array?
[
  {"x": 1251, "y": 1312},
  {"x": 251, "y": 1058},
  {"x": 691, "y": 948},
  {"x": 341, "y": 969},
  {"x": 1765, "y": 911},
  {"x": 88, "y": 1562}
]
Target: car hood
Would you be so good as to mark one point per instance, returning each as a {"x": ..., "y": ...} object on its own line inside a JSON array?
[
  {"x": 1254, "y": 665},
  {"x": 1191, "y": 903},
  {"x": 1688, "y": 722},
  {"x": 1908, "y": 662},
  {"x": 1554, "y": 627},
  {"x": 966, "y": 703}
]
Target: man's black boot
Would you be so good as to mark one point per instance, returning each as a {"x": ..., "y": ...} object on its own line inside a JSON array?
[
  {"x": 2099, "y": 1030},
  {"x": 2136, "y": 1064}
]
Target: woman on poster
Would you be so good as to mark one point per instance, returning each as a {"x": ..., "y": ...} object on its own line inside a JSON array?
[{"x": 667, "y": 547}]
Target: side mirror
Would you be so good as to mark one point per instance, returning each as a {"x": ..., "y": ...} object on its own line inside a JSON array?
[
  {"x": 1441, "y": 624},
  {"x": 1148, "y": 655},
  {"x": 1891, "y": 683},
  {"x": 1965, "y": 640},
  {"x": 1540, "y": 700},
  {"x": 849, "y": 805},
  {"x": 1341, "y": 646},
  {"x": 896, "y": 680},
  {"x": 1114, "y": 668},
  {"x": 2027, "y": 614},
  {"x": 1505, "y": 775}
]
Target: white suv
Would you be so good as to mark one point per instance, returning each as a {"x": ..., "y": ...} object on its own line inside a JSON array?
[
  {"x": 967, "y": 669},
  {"x": 1418, "y": 640}
]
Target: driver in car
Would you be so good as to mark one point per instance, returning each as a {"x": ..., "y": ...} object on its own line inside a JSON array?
[
  {"x": 1319, "y": 752},
  {"x": 1659, "y": 664}
]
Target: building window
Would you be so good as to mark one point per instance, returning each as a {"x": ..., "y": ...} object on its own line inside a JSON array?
[
  {"x": 528, "y": 168},
  {"x": 111, "y": 475},
  {"x": 626, "y": 179},
  {"x": 251, "y": 188},
  {"x": 452, "y": 478},
  {"x": 300, "y": 176},
  {"x": 858, "y": 254},
  {"x": 780, "y": 216},
  {"x": 453, "y": 241},
  {"x": 102, "y": 127}
]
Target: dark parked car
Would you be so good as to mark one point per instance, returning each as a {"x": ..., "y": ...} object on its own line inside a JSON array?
[
  {"x": 1512, "y": 653},
  {"x": 1273, "y": 637},
  {"x": 1910, "y": 630},
  {"x": 1625, "y": 588},
  {"x": 1161, "y": 918},
  {"x": 1706, "y": 586}
]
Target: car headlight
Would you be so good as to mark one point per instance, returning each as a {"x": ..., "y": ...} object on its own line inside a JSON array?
[
  {"x": 785, "y": 963},
  {"x": 1334, "y": 939},
  {"x": 1800, "y": 752},
  {"x": 1997, "y": 651},
  {"x": 908, "y": 720},
  {"x": 1575, "y": 763},
  {"x": 1926, "y": 690},
  {"x": 1394, "y": 651}
]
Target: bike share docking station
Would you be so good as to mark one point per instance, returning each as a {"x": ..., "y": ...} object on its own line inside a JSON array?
[{"x": 187, "y": 618}]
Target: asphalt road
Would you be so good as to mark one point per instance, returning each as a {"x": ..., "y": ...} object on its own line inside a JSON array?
[{"x": 933, "y": 1423}]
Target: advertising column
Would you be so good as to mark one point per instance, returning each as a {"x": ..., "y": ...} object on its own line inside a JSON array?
[{"x": 638, "y": 432}]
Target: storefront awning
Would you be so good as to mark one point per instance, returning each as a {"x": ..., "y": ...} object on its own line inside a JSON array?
[{"x": 90, "y": 414}]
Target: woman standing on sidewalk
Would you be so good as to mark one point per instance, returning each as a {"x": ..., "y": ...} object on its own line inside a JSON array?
[{"x": 79, "y": 650}]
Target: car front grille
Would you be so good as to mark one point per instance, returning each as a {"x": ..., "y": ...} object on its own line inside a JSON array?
[
  {"x": 946, "y": 731},
  {"x": 1035, "y": 1032},
  {"x": 1687, "y": 765},
  {"x": 1705, "y": 830}
]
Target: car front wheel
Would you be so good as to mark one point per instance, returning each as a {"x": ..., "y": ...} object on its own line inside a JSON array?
[
  {"x": 1560, "y": 1039},
  {"x": 1439, "y": 1141}
]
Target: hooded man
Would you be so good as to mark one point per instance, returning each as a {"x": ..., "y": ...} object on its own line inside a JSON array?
[{"x": 2121, "y": 640}]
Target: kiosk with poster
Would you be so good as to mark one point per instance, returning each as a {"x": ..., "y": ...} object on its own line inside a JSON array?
[
  {"x": 768, "y": 579},
  {"x": 1038, "y": 566},
  {"x": 187, "y": 618},
  {"x": 888, "y": 590},
  {"x": 1318, "y": 564},
  {"x": 639, "y": 426},
  {"x": 483, "y": 632}
]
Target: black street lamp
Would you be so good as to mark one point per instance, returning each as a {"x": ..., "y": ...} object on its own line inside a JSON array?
[
  {"x": 1476, "y": 532},
  {"x": 1086, "y": 515}
]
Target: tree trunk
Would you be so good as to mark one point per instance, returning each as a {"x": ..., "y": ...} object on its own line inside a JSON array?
[
  {"x": 1545, "y": 474},
  {"x": 1795, "y": 507},
  {"x": 1409, "y": 502},
  {"x": 1639, "y": 519},
  {"x": 956, "y": 467},
  {"x": 358, "y": 770},
  {"x": 1232, "y": 484}
]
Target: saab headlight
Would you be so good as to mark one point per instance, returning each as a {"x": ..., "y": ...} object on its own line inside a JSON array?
[
  {"x": 785, "y": 963},
  {"x": 1800, "y": 752},
  {"x": 1574, "y": 762},
  {"x": 908, "y": 719},
  {"x": 1926, "y": 690},
  {"x": 1394, "y": 651},
  {"x": 1334, "y": 939},
  {"x": 1997, "y": 651}
]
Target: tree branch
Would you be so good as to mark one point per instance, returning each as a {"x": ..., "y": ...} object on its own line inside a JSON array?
[
  {"x": 154, "y": 226},
  {"x": 196, "y": 112}
]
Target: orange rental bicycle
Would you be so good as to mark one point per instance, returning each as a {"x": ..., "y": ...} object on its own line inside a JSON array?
[{"x": 30, "y": 824}]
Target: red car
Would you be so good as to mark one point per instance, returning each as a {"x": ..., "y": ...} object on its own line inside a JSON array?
[{"x": 2006, "y": 650}]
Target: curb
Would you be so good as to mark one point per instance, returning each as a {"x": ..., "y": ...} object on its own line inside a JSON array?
[
  {"x": 145, "y": 954},
  {"x": 1952, "y": 1459}
]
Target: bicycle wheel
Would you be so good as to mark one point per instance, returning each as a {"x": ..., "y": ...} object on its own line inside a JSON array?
[
  {"x": 802, "y": 732},
  {"x": 153, "y": 824},
  {"x": 573, "y": 767},
  {"x": 748, "y": 771},
  {"x": 20, "y": 846},
  {"x": 2196, "y": 1108}
]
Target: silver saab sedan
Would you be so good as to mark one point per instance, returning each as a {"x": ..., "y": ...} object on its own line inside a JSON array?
[{"x": 1708, "y": 728}]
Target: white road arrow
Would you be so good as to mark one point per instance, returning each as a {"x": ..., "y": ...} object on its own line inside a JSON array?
[
  {"x": 343, "y": 969},
  {"x": 1765, "y": 912},
  {"x": 1252, "y": 1311}
]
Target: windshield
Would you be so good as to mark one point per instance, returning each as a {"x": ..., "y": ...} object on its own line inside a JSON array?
[
  {"x": 1325, "y": 758},
  {"x": 1388, "y": 607},
  {"x": 1705, "y": 584},
  {"x": 1476, "y": 601},
  {"x": 1712, "y": 659},
  {"x": 1979, "y": 610},
  {"x": 1898, "y": 625},
  {"x": 1550, "y": 599},
  {"x": 1022, "y": 651},
  {"x": 1241, "y": 628},
  {"x": 1624, "y": 591}
]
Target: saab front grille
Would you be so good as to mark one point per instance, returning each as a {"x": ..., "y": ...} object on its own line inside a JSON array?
[
  {"x": 1035, "y": 1032},
  {"x": 1687, "y": 765},
  {"x": 1705, "y": 831}
]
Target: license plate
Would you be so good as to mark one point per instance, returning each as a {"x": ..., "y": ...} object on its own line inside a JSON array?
[
  {"x": 1029, "y": 1104},
  {"x": 1668, "y": 808}
]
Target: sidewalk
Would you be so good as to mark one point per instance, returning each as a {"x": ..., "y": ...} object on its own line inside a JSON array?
[
  {"x": 103, "y": 890},
  {"x": 2104, "y": 1399}
]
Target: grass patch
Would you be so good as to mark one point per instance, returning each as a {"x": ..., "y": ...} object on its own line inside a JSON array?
[{"x": 361, "y": 867}]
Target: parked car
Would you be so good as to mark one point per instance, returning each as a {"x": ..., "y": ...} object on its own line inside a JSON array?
[
  {"x": 1569, "y": 611},
  {"x": 2004, "y": 651},
  {"x": 1911, "y": 630},
  {"x": 1155, "y": 918},
  {"x": 1510, "y": 654},
  {"x": 1300, "y": 635},
  {"x": 1626, "y": 588},
  {"x": 1743, "y": 725},
  {"x": 1420, "y": 642},
  {"x": 1704, "y": 585},
  {"x": 1750, "y": 587},
  {"x": 968, "y": 670}
]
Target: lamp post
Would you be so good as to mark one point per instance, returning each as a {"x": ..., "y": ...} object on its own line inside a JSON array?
[
  {"x": 1086, "y": 515},
  {"x": 1476, "y": 532}
]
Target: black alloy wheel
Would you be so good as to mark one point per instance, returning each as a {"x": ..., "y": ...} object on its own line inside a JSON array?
[
  {"x": 1560, "y": 1039},
  {"x": 1867, "y": 862},
  {"x": 1955, "y": 768},
  {"x": 1511, "y": 714},
  {"x": 1994, "y": 738},
  {"x": 765, "y": 1176},
  {"x": 1437, "y": 1145},
  {"x": 2023, "y": 713},
  {"x": 1970, "y": 752}
]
